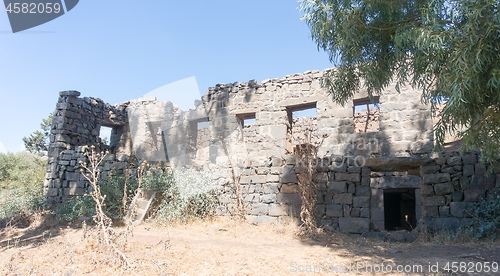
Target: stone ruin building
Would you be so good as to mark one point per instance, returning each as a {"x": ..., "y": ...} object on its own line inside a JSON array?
[{"x": 376, "y": 169}]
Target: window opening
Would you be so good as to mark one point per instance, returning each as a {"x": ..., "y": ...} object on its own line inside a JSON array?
[
  {"x": 366, "y": 115},
  {"x": 105, "y": 135},
  {"x": 302, "y": 125}
]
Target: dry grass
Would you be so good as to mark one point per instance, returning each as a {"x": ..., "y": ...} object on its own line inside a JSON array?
[{"x": 217, "y": 247}]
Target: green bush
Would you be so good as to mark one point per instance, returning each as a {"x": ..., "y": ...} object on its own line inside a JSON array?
[
  {"x": 21, "y": 200},
  {"x": 111, "y": 187},
  {"x": 191, "y": 194},
  {"x": 75, "y": 207},
  {"x": 186, "y": 194},
  {"x": 486, "y": 223},
  {"x": 20, "y": 169}
]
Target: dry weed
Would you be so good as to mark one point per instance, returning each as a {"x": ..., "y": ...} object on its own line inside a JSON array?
[{"x": 102, "y": 236}]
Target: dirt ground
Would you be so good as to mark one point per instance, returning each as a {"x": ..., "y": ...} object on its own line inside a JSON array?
[{"x": 225, "y": 247}]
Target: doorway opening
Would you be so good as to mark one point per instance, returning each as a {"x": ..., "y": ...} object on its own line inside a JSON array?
[{"x": 399, "y": 209}]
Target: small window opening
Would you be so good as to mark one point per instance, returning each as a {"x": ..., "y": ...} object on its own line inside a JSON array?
[
  {"x": 105, "y": 135},
  {"x": 246, "y": 119},
  {"x": 366, "y": 115},
  {"x": 202, "y": 125},
  {"x": 399, "y": 209},
  {"x": 201, "y": 133},
  {"x": 248, "y": 133},
  {"x": 302, "y": 125}
]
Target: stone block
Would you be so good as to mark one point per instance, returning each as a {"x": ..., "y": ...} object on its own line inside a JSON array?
[
  {"x": 259, "y": 209},
  {"x": 355, "y": 212},
  {"x": 391, "y": 182},
  {"x": 351, "y": 187},
  {"x": 377, "y": 198},
  {"x": 354, "y": 225},
  {"x": 365, "y": 181},
  {"x": 365, "y": 171},
  {"x": 270, "y": 198},
  {"x": 469, "y": 159},
  {"x": 377, "y": 213},
  {"x": 276, "y": 210},
  {"x": 290, "y": 159},
  {"x": 251, "y": 198},
  {"x": 443, "y": 188},
  {"x": 461, "y": 209},
  {"x": 320, "y": 178},
  {"x": 289, "y": 189},
  {"x": 52, "y": 192},
  {"x": 480, "y": 169},
  {"x": 449, "y": 170},
  {"x": 270, "y": 188},
  {"x": 288, "y": 175},
  {"x": 320, "y": 210},
  {"x": 468, "y": 170},
  {"x": 483, "y": 182},
  {"x": 365, "y": 213},
  {"x": 427, "y": 190},
  {"x": 276, "y": 170},
  {"x": 354, "y": 177},
  {"x": 276, "y": 161},
  {"x": 354, "y": 170},
  {"x": 263, "y": 170},
  {"x": 436, "y": 178},
  {"x": 245, "y": 179},
  {"x": 362, "y": 190},
  {"x": 340, "y": 167},
  {"x": 431, "y": 211},
  {"x": 433, "y": 201},
  {"x": 293, "y": 199},
  {"x": 454, "y": 160},
  {"x": 361, "y": 201},
  {"x": 342, "y": 199},
  {"x": 474, "y": 195},
  {"x": 429, "y": 169},
  {"x": 440, "y": 161},
  {"x": 337, "y": 187},
  {"x": 259, "y": 179},
  {"x": 334, "y": 211},
  {"x": 272, "y": 178},
  {"x": 464, "y": 183},
  {"x": 444, "y": 211},
  {"x": 458, "y": 196},
  {"x": 73, "y": 191}
]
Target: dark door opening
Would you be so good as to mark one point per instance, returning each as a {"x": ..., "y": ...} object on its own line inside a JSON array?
[{"x": 399, "y": 209}]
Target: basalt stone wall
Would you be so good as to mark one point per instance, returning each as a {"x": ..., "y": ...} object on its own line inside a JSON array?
[
  {"x": 76, "y": 122},
  {"x": 450, "y": 185},
  {"x": 404, "y": 123},
  {"x": 252, "y": 131},
  {"x": 351, "y": 195}
]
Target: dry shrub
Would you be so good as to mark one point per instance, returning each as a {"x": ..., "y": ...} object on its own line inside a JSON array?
[
  {"x": 102, "y": 235},
  {"x": 306, "y": 155}
]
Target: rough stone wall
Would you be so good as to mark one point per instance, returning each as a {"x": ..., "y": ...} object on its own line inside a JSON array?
[
  {"x": 450, "y": 185},
  {"x": 354, "y": 169},
  {"x": 405, "y": 123},
  {"x": 76, "y": 122}
]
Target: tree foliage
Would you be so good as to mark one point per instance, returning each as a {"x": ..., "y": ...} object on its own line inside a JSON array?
[
  {"x": 21, "y": 169},
  {"x": 38, "y": 141},
  {"x": 450, "y": 49}
]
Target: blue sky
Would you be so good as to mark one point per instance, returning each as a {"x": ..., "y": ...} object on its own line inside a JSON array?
[{"x": 121, "y": 50}]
